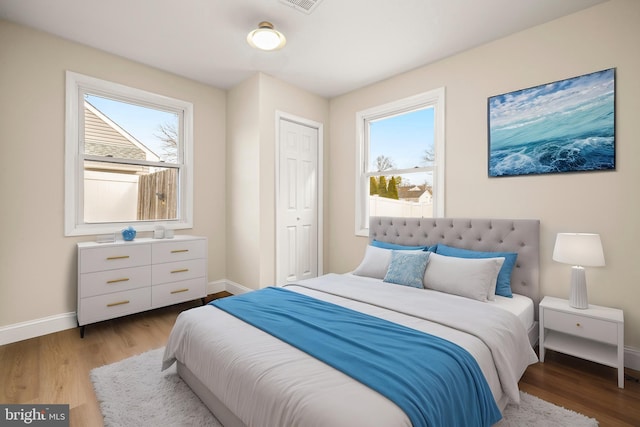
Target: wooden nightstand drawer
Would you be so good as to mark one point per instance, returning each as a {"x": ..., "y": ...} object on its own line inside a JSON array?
[{"x": 586, "y": 327}]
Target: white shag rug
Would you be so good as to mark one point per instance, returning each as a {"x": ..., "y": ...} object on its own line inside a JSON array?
[{"x": 134, "y": 392}]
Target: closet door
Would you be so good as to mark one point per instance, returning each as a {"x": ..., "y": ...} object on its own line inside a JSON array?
[{"x": 297, "y": 204}]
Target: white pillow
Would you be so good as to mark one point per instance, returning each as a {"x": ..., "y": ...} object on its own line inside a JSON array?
[
  {"x": 468, "y": 277},
  {"x": 376, "y": 262}
]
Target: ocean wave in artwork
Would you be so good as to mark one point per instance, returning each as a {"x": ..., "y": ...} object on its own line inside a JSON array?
[
  {"x": 560, "y": 127},
  {"x": 592, "y": 153}
]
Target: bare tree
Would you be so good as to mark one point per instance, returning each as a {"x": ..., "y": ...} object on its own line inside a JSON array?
[
  {"x": 168, "y": 134},
  {"x": 428, "y": 156},
  {"x": 384, "y": 163}
]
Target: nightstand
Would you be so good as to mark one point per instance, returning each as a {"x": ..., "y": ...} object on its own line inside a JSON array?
[{"x": 595, "y": 333}]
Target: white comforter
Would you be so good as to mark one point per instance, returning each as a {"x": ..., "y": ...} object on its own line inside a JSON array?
[{"x": 267, "y": 382}]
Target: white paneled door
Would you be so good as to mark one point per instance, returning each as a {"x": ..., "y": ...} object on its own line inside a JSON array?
[{"x": 297, "y": 199}]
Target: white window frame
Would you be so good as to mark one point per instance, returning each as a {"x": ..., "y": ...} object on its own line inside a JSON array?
[
  {"x": 434, "y": 98},
  {"x": 76, "y": 87}
]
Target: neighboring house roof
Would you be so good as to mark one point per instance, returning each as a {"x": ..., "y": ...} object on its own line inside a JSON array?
[
  {"x": 104, "y": 137},
  {"x": 413, "y": 193}
]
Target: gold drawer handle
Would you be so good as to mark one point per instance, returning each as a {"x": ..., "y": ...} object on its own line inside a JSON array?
[
  {"x": 578, "y": 325},
  {"x": 124, "y": 279},
  {"x": 111, "y": 258},
  {"x": 175, "y": 251},
  {"x": 180, "y": 290},
  {"x": 182, "y": 270},
  {"x": 113, "y": 304}
]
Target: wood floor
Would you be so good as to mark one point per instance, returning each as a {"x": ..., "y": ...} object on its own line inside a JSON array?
[{"x": 55, "y": 369}]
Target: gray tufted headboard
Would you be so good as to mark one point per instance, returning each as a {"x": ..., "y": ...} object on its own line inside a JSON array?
[{"x": 505, "y": 235}]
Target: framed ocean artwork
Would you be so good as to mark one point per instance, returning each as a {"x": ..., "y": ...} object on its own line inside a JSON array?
[{"x": 564, "y": 126}]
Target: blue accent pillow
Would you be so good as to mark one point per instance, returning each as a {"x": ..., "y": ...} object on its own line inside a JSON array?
[
  {"x": 503, "y": 284},
  {"x": 396, "y": 247},
  {"x": 407, "y": 268}
]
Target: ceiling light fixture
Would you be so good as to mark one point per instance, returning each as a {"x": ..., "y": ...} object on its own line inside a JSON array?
[{"x": 265, "y": 37}]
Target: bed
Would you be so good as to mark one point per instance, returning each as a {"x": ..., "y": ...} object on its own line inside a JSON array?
[{"x": 248, "y": 377}]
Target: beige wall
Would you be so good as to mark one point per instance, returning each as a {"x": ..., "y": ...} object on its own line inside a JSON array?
[
  {"x": 251, "y": 125},
  {"x": 608, "y": 203},
  {"x": 243, "y": 182},
  {"x": 37, "y": 263}
]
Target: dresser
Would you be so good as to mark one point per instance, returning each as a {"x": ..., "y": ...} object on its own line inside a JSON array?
[
  {"x": 595, "y": 333},
  {"x": 121, "y": 278}
]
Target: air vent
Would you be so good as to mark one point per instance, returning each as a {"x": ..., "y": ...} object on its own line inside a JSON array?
[{"x": 306, "y": 6}]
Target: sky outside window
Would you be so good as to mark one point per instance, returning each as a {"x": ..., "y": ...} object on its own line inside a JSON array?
[
  {"x": 139, "y": 121},
  {"x": 404, "y": 139}
]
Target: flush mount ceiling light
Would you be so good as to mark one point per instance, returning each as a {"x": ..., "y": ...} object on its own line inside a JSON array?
[{"x": 265, "y": 37}]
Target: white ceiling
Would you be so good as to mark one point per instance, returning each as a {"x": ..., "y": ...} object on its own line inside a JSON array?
[{"x": 342, "y": 45}]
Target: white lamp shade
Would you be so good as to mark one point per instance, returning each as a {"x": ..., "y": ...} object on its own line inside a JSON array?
[{"x": 582, "y": 249}]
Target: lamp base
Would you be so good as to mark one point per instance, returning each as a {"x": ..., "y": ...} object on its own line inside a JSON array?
[{"x": 578, "y": 297}]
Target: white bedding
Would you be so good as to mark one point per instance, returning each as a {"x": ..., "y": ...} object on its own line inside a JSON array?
[
  {"x": 266, "y": 382},
  {"x": 520, "y": 305}
]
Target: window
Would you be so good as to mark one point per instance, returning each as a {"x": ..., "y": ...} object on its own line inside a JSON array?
[
  {"x": 400, "y": 159},
  {"x": 128, "y": 158}
]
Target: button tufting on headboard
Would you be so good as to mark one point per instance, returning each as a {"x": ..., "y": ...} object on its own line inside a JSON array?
[{"x": 503, "y": 235}]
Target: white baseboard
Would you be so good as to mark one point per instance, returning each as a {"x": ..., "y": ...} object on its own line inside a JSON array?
[
  {"x": 632, "y": 358},
  {"x": 215, "y": 287},
  {"x": 38, "y": 327},
  {"x": 236, "y": 288},
  {"x": 228, "y": 286}
]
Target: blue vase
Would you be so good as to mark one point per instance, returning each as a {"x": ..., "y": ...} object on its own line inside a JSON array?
[{"x": 128, "y": 234}]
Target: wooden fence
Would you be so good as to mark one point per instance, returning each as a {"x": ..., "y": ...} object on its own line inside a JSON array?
[{"x": 157, "y": 195}]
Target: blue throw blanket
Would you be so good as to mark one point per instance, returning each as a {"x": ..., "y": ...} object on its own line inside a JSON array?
[{"x": 435, "y": 382}]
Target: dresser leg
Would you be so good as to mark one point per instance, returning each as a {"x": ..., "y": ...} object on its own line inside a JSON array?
[
  {"x": 202, "y": 299},
  {"x": 82, "y": 331}
]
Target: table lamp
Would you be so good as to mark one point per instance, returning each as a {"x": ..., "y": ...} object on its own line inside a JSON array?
[{"x": 580, "y": 250}]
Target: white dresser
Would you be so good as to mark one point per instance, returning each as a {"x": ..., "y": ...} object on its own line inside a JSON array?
[{"x": 121, "y": 278}]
